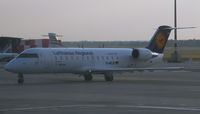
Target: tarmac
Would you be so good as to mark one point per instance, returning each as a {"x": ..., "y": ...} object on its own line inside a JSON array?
[{"x": 159, "y": 92}]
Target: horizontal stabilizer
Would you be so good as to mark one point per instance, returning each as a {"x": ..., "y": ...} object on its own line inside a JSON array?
[{"x": 172, "y": 28}]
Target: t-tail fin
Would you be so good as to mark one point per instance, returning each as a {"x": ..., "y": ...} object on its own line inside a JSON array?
[
  {"x": 53, "y": 40},
  {"x": 159, "y": 39}
]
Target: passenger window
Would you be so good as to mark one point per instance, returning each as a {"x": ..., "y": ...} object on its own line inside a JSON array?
[
  {"x": 102, "y": 57},
  {"x": 83, "y": 58},
  {"x": 66, "y": 58},
  {"x": 97, "y": 57},
  {"x": 77, "y": 58},
  {"x": 107, "y": 57},
  {"x": 117, "y": 57},
  {"x": 88, "y": 58},
  {"x": 92, "y": 57}
]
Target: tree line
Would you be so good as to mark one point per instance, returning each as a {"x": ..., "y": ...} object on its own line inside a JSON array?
[{"x": 127, "y": 44}]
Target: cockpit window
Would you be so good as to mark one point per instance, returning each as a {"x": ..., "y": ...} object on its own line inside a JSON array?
[{"x": 28, "y": 55}]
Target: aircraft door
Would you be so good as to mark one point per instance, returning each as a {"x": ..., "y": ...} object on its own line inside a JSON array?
[
  {"x": 46, "y": 61},
  {"x": 92, "y": 62}
]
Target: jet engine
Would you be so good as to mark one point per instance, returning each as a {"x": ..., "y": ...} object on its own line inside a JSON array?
[{"x": 142, "y": 54}]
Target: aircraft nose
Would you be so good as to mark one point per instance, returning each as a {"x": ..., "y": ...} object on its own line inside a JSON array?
[{"x": 9, "y": 67}]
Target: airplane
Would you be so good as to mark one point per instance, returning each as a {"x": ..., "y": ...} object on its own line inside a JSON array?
[
  {"x": 53, "y": 40},
  {"x": 89, "y": 61}
]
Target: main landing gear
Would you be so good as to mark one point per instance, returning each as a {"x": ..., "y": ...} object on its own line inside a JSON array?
[
  {"x": 108, "y": 76},
  {"x": 20, "y": 79},
  {"x": 88, "y": 77}
]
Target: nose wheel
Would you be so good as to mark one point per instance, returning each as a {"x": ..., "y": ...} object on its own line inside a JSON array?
[{"x": 20, "y": 79}]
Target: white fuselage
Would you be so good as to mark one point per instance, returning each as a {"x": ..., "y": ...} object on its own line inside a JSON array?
[{"x": 76, "y": 60}]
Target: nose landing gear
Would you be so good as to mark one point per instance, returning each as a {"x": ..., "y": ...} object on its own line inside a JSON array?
[{"x": 20, "y": 79}]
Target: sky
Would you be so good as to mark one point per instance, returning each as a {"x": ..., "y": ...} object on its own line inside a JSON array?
[{"x": 97, "y": 20}]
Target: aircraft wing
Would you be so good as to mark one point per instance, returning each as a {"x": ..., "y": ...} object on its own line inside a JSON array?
[{"x": 135, "y": 69}]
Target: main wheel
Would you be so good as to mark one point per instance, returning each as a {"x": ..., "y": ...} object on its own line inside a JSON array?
[
  {"x": 108, "y": 77},
  {"x": 20, "y": 78},
  {"x": 88, "y": 77}
]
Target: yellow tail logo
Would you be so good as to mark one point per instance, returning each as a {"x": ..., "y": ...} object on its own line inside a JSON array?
[{"x": 160, "y": 40}]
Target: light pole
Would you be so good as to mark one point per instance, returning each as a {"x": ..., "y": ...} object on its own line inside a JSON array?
[
  {"x": 175, "y": 57},
  {"x": 175, "y": 25}
]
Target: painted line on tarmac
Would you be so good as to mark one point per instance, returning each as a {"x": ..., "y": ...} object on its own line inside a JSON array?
[
  {"x": 104, "y": 106},
  {"x": 163, "y": 108}
]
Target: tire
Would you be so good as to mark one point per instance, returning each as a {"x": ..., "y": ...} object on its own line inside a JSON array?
[
  {"x": 88, "y": 77},
  {"x": 108, "y": 77},
  {"x": 20, "y": 79}
]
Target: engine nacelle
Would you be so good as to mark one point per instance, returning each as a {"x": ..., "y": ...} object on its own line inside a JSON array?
[{"x": 142, "y": 54}]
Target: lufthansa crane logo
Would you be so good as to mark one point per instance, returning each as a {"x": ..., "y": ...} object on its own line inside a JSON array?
[{"x": 160, "y": 40}]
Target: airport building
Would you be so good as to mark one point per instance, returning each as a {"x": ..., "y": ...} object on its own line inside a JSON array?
[{"x": 17, "y": 45}]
